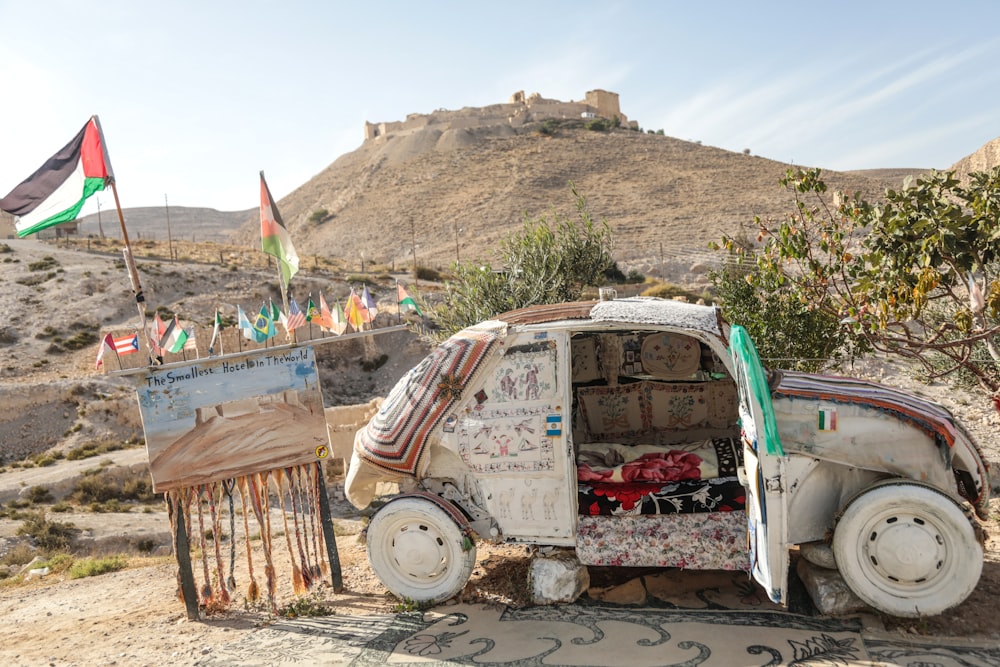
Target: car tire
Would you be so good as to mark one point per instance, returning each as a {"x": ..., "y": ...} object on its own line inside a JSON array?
[
  {"x": 418, "y": 551},
  {"x": 907, "y": 549}
]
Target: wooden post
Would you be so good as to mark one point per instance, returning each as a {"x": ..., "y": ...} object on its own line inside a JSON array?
[
  {"x": 188, "y": 588},
  {"x": 336, "y": 578}
]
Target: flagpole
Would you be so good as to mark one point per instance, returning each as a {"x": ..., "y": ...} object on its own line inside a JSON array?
[
  {"x": 140, "y": 298},
  {"x": 114, "y": 346}
]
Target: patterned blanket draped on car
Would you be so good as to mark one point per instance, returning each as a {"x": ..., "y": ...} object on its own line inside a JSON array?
[{"x": 395, "y": 439}]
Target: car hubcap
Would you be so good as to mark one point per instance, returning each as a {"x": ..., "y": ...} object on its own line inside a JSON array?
[
  {"x": 905, "y": 550},
  {"x": 419, "y": 551}
]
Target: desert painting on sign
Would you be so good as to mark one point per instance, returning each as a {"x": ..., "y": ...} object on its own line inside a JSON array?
[{"x": 217, "y": 419}]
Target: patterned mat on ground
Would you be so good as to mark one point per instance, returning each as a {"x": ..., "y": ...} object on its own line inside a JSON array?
[{"x": 583, "y": 635}]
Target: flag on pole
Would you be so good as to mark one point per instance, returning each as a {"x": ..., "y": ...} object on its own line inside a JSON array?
[
  {"x": 277, "y": 316},
  {"x": 56, "y": 192},
  {"x": 244, "y": 323},
  {"x": 274, "y": 238},
  {"x": 295, "y": 317},
  {"x": 107, "y": 342},
  {"x": 215, "y": 332},
  {"x": 313, "y": 314},
  {"x": 174, "y": 338},
  {"x": 371, "y": 308},
  {"x": 263, "y": 325},
  {"x": 406, "y": 302},
  {"x": 126, "y": 344},
  {"x": 159, "y": 328},
  {"x": 334, "y": 320},
  {"x": 354, "y": 311},
  {"x": 189, "y": 342}
]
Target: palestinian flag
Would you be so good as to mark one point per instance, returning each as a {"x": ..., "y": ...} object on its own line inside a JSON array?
[
  {"x": 274, "y": 238},
  {"x": 406, "y": 301},
  {"x": 174, "y": 337},
  {"x": 56, "y": 192}
]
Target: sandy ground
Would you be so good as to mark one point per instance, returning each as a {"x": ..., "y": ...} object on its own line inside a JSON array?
[{"x": 134, "y": 617}]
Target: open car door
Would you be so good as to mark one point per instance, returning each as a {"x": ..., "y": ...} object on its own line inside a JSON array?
[{"x": 763, "y": 463}]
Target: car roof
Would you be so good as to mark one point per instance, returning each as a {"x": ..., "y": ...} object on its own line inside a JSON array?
[{"x": 633, "y": 310}]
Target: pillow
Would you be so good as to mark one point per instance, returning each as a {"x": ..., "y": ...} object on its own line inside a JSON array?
[{"x": 670, "y": 356}]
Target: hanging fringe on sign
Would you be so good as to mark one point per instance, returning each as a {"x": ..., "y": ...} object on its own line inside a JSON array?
[
  {"x": 227, "y": 486},
  {"x": 302, "y": 485},
  {"x": 206, "y": 589},
  {"x": 253, "y": 590},
  {"x": 223, "y": 593},
  {"x": 298, "y": 492},
  {"x": 313, "y": 473},
  {"x": 258, "y": 495},
  {"x": 298, "y": 584},
  {"x": 306, "y": 569}
]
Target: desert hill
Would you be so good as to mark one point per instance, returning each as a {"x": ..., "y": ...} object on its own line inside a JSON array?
[
  {"x": 983, "y": 159},
  {"x": 153, "y": 222},
  {"x": 453, "y": 193}
]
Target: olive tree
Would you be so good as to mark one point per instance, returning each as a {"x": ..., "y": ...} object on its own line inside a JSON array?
[
  {"x": 551, "y": 259},
  {"x": 915, "y": 274}
]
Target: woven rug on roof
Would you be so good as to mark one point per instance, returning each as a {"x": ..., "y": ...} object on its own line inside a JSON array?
[{"x": 395, "y": 439}]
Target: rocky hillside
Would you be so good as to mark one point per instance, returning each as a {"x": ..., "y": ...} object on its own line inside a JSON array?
[
  {"x": 984, "y": 159},
  {"x": 453, "y": 193}
]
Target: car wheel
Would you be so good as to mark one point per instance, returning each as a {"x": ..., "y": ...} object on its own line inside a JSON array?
[
  {"x": 418, "y": 551},
  {"x": 907, "y": 549}
]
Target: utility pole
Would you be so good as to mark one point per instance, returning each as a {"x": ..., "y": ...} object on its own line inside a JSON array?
[
  {"x": 170, "y": 241},
  {"x": 100, "y": 229},
  {"x": 458, "y": 257},
  {"x": 413, "y": 244}
]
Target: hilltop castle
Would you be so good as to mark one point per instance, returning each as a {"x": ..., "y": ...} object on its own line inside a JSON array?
[{"x": 520, "y": 109}]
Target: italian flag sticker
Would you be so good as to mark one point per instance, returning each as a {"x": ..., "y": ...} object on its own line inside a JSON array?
[{"x": 827, "y": 419}]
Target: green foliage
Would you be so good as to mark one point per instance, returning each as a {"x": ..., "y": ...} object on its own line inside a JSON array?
[
  {"x": 39, "y": 494},
  {"x": 408, "y": 604},
  {"x": 44, "y": 264},
  {"x": 428, "y": 274},
  {"x": 309, "y": 605},
  {"x": 106, "y": 489},
  {"x": 80, "y": 340},
  {"x": 663, "y": 290},
  {"x": 94, "y": 448},
  {"x": 614, "y": 274},
  {"x": 319, "y": 215},
  {"x": 92, "y": 567},
  {"x": 548, "y": 127},
  {"x": 916, "y": 274},
  {"x": 599, "y": 125},
  {"x": 548, "y": 261},
  {"x": 49, "y": 535},
  {"x": 787, "y": 332}
]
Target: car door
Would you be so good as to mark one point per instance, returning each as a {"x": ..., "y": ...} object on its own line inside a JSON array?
[
  {"x": 515, "y": 439},
  {"x": 763, "y": 466}
]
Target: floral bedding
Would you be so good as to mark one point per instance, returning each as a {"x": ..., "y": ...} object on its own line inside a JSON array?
[
  {"x": 614, "y": 463},
  {"x": 634, "y": 480},
  {"x": 715, "y": 541},
  {"x": 719, "y": 494}
]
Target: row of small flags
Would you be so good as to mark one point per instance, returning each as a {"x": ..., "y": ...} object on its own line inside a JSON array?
[{"x": 172, "y": 337}]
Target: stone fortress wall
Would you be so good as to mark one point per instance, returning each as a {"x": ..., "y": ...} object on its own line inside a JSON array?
[{"x": 520, "y": 109}]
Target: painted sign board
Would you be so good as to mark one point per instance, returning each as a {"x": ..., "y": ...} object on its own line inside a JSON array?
[{"x": 218, "y": 418}]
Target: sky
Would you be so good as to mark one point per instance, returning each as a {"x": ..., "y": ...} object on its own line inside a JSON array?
[{"x": 195, "y": 97}]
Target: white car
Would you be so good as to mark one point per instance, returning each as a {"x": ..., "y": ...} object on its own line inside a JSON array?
[{"x": 645, "y": 432}]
